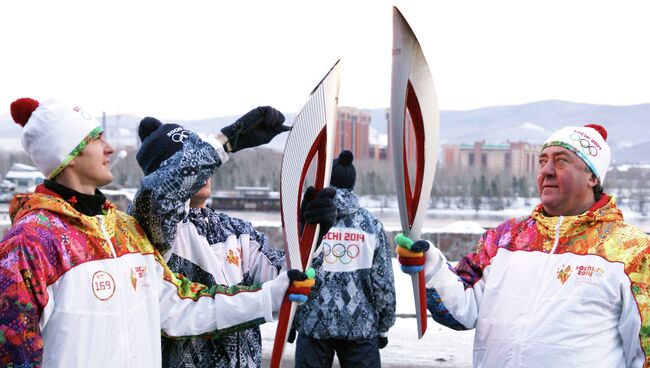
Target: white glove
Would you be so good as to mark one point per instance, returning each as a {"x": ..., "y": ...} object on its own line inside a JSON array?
[{"x": 434, "y": 260}]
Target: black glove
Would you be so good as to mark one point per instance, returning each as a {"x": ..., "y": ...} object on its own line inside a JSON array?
[
  {"x": 255, "y": 128},
  {"x": 382, "y": 341},
  {"x": 420, "y": 246},
  {"x": 318, "y": 208},
  {"x": 296, "y": 275},
  {"x": 292, "y": 336}
]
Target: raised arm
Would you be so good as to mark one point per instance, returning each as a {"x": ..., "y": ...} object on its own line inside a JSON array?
[{"x": 159, "y": 204}]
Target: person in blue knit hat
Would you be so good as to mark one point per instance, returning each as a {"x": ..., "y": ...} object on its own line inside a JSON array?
[
  {"x": 353, "y": 302},
  {"x": 203, "y": 244}
]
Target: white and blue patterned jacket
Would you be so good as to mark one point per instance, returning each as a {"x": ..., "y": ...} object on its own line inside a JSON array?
[
  {"x": 354, "y": 295},
  {"x": 207, "y": 247}
]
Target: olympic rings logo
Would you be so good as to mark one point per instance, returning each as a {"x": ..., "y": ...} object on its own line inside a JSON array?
[
  {"x": 179, "y": 137},
  {"x": 586, "y": 146},
  {"x": 340, "y": 253},
  {"x": 85, "y": 115}
]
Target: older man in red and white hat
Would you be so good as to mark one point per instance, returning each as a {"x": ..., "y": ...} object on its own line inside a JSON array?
[{"x": 567, "y": 286}]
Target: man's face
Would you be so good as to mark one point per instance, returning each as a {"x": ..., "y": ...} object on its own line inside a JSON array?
[
  {"x": 564, "y": 182},
  {"x": 199, "y": 198},
  {"x": 92, "y": 165}
]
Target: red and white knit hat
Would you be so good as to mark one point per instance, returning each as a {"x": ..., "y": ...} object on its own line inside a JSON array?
[
  {"x": 53, "y": 133},
  {"x": 588, "y": 142}
]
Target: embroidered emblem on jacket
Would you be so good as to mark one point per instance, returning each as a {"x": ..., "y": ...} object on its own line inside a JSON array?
[
  {"x": 139, "y": 276},
  {"x": 103, "y": 285},
  {"x": 564, "y": 273},
  {"x": 134, "y": 280},
  {"x": 232, "y": 258}
]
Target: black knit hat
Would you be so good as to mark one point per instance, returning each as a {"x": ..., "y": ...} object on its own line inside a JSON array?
[
  {"x": 159, "y": 142},
  {"x": 343, "y": 173}
]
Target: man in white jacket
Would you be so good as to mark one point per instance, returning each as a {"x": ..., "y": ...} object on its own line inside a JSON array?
[
  {"x": 567, "y": 286},
  {"x": 80, "y": 283}
]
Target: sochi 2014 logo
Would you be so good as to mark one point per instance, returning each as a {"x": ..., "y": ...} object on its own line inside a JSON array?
[
  {"x": 83, "y": 113},
  {"x": 179, "y": 134},
  {"x": 347, "y": 250},
  {"x": 589, "y": 274}
]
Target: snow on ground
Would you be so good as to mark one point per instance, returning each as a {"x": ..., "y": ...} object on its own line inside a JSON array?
[
  {"x": 464, "y": 227},
  {"x": 440, "y": 346},
  {"x": 437, "y": 220}
]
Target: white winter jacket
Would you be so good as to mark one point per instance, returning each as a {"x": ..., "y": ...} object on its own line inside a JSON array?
[
  {"x": 567, "y": 291},
  {"x": 90, "y": 291}
]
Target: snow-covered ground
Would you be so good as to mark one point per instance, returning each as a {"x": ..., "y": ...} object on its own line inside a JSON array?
[
  {"x": 440, "y": 346},
  {"x": 452, "y": 220}
]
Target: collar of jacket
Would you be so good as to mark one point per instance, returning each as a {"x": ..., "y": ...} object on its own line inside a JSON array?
[
  {"x": 45, "y": 199},
  {"x": 346, "y": 202},
  {"x": 604, "y": 210},
  {"x": 89, "y": 205},
  {"x": 44, "y": 209}
]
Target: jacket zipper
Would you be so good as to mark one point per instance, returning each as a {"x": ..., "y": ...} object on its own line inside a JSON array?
[
  {"x": 534, "y": 301},
  {"x": 125, "y": 342},
  {"x": 106, "y": 237},
  {"x": 556, "y": 241}
]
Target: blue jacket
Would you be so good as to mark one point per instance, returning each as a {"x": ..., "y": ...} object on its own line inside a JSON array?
[{"x": 354, "y": 295}]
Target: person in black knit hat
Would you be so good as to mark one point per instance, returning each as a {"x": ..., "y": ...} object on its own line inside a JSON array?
[
  {"x": 343, "y": 173},
  {"x": 161, "y": 141},
  {"x": 353, "y": 303},
  {"x": 202, "y": 243}
]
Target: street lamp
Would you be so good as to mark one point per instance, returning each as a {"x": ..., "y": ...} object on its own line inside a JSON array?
[{"x": 120, "y": 155}]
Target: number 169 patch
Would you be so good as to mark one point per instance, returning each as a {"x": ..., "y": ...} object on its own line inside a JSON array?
[{"x": 103, "y": 285}]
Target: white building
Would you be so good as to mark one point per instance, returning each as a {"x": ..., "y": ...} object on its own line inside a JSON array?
[{"x": 25, "y": 177}]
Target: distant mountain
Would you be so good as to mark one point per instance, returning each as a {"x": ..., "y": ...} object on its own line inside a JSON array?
[
  {"x": 532, "y": 122},
  {"x": 639, "y": 153},
  {"x": 622, "y": 122}
]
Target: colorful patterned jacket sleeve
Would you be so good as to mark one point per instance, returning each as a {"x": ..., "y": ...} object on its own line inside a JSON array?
[
  {"x": 638, "y": 305},
  {"x": 159, "y": 204},
  {"x": 383, "y": 282},
  {"x": 25, "y": 269}
]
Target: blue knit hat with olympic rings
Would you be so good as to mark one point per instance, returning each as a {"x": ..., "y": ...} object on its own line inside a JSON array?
[{"x": 159, "y": 142}]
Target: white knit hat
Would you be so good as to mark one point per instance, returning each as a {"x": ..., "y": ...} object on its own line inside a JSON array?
[
  {"x": 53, "y": 133},
  {"x": 588, "y": 142}
]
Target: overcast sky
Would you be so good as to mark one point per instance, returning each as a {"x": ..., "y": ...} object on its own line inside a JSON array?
[{"x": 198, "y": 59}]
